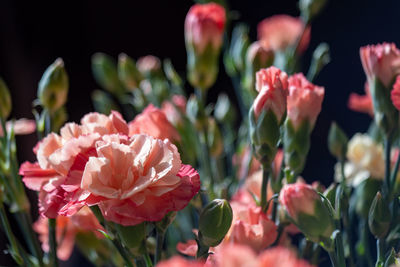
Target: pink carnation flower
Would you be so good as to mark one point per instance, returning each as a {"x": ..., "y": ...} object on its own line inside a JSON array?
[
  {"x": 66, "y": 230},
  {"x": 280, "y": 257},
  {"x": 136, "y": 180},
  {"x": 395, "y": 94},
  {"x": 362, "y": 103},
  {"x": 280, "y": 31},
  {"x": 174, "y": 108},
  {"x": 178, "y": 261},
  {"x": 304, "y": 100},
  {"x": 21, "y": 127},
  {"x": 271, "y": 84},
  {"x": 152, "y": 121},
  {"x": 204, "y": 25},
  {"x": 381, "y": 61}
]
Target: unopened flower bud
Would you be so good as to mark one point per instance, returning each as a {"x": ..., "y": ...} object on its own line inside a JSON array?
[
  {"x": 267, "y": 113},
  {"x": 303, "y": 106},
  {"x": 204, "y": 28},
  {"x": 128, "y": 74},
  {"x": 195, "y": 112},
  {"x": 5, "y": 100},
  {"x": 149, "y": 66},
  {"x": 105, "y": 73},
  {"x": 330, "y": 193},
  {"x": 53, "y": 86},
  {"x": 306, "y": 210},
  {"x": 214, "y": 138},
  {"x": 214, "y": 222},
  {"x": 59, "y": 117},
  {"x": 320, "y": 58},
  {"x": 337, "y": 142},
  {"x": 258, "y": 56},
  {"x": 311, "y": 8},
  {"x": 379, "y": 216},
  {"x": 236, "y": 56}
]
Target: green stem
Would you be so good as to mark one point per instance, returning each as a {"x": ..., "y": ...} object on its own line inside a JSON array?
[
  {"x": 15, "y": 252},
  {"x": 159, "y": 245},
  {"x": 147, "y": 259},
  {"x": 53, "y": 242},
  {"x": 30, "y": 237},
  {"x": 380, "y": 253},
  {"x": 264, "y": 185},
  {"x": 239, "y": 96},
  {"x": 340, "y": 250},
  {"x": 394, "y": 173},
  {"x": 332, "y": 256},
  {"x": 386, "y": 190}
]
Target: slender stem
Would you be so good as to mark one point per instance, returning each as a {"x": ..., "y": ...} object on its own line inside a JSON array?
[
  {"x": 30, "y": 237},
  {"x": 340, "y": 250},
  {"x": 281, "y": 228},
  {"x": 122, "y": 252},
  {"x": 332, "y": 256},
  {"x": 395, "y": 171},
  {"x": 264, "y": 185},
  {"x": 380, "y": 253},
  {"x": 239, "y": 96},
  {"x": 147, "y": 259},
  {"x": 159, "y": 245},
  {"x": 386, "y": 190},
  {"x": 53, "y": 242},
  {"x": 15, "y": 252},
  {"x": 274, "y": 209}
]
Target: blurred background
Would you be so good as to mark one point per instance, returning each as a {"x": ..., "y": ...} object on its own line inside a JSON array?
[{"x": 34, "y": 33}]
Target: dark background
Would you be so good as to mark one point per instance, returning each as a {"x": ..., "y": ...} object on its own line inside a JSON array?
[{"x": 34, "y": 33}]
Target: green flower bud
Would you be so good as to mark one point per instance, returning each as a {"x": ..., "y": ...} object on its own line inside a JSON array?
[
  {"x": 150, "y": 67},
  {"x": 195, "y": 112},
  {"x": 364, "y": 195},
  {"x": 215, "y": 221},
  {"x": 235, "y": 57},
  {"x": 128, "y": 74},
  {"x": 214, "y": 138},
  {"x": 320, "y": 58},
  {"x": 311, "y": 8},
  {"x": 53, "y": 86},
  {"x": 337, "y": 142},
  {"x": 379, "y": 217},
  {"x": 5, "y": 100},
  {"x": 105, "y": 73},
  {"x": 58, "y": 118},
  {"x": 223, "y": 110},
  {"x": 132, "y": 236}
]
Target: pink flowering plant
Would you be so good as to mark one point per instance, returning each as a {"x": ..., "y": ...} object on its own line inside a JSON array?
[{"x": 157, "y": 177}]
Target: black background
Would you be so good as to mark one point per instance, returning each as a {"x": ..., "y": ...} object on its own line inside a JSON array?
[{"x": 34, "y": 33}]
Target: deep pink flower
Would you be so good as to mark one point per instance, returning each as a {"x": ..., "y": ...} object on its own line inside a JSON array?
[
  {"x": 204, "y": 25},
  {"x": 362, "y": 103},
  {"x": 381, "y": 61},
  {"x": 271, "y": 84},
  {"x": 137, "y": 180},
  {"x": 280, "y": 31},
  {"x": 395, "y": 94},
  {"x": 152, "y": 121},
  {"x": 304, "y": 100}
]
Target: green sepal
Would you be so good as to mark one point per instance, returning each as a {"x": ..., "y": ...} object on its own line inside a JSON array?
[{"x": 132, "y": 236}]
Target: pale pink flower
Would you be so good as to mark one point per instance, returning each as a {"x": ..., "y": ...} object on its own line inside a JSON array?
[
  {"x": 362, "y": 103},
  {"x": 280, "y": 257},
  {"x": 62, "y": 159},
  {"x": 174, "y": 108},
  {"x": 233, "y": 255},
  {"x": 298, "y": 198},
  {"x": 251, "y": 227},
  {"x": 280, "y": 31},
  {"x": 204, "y": 25},
  {"x": 304, "y": 100},
  {"x": 271, "y": 84},
  {"x": 148, "y": 64},
  {"x": 260, "y": 52},
  {"x": 381, "y": 61},
  {"x": 21, "y": 127},
  {"x": 66, "y": 230},
  {"x": 152, "y": 121},
  {"x": 138, "y": 180},
  {"x": 189, "y": 248},
  {"x": 395, "y": 94}
]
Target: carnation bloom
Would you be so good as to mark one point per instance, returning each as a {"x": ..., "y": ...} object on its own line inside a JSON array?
[
  {"x": 395, "y": 94},
  {"x": 362, "y": 103},
  {"x": 66, "y": 230},
  {"x": 178, "y": 261},
  {"x": 280, "y": 31},
  {"x": 148, "y": 65},
  {"x": 271, "y": 84},
  {"x": 251, "y": 227},
  {"x": 137, "y": 180},
  {"x": 152, "y": 121},
  {"x": 233, "y": 255},
  {"x": 204, "y": 25},
  {"x": 173, "y": 109},
  {"x": 304, "y": 100},
  {"x": 21, "y": 127},
  {"x": 280, "y": 257},
  {"x": 381, "y": 61}
]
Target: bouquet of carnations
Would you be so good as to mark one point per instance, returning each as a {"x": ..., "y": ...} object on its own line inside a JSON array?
[{"x": 156, "y": 177}]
